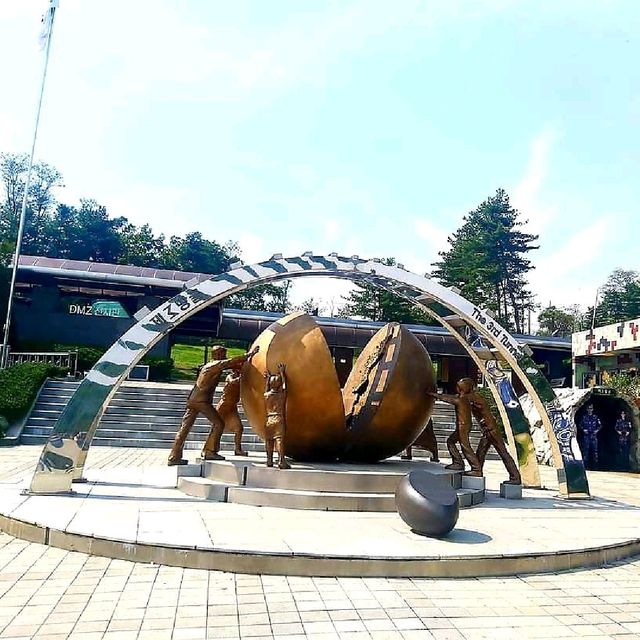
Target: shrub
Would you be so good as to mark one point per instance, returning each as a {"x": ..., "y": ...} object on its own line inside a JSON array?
[
  {"x": 159, "y": 368},
  {"x": 4, "y": 425},
  {"x": 87, "y": 356},
  {"x": 19, "y": 386}
]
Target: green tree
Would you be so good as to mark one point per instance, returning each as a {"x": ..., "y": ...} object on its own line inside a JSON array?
[
  {"x": 274, "y": 298},
  {"x": 487, "y": 260},
  {"x": 140, "y": 246},
  {"x": 373, "y": 303},
  {"x": 619, "y": 298},
  {"x": 559, "y": 321},
  {"x": 195, "y": 253}
]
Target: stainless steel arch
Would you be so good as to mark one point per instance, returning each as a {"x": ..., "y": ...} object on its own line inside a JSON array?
[{"x": 64, "y": 454}]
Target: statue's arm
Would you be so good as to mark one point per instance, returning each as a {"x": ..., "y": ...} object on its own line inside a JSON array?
[
  {"x": 445, "y": 397},
  {"x": 281, "y": 369}
]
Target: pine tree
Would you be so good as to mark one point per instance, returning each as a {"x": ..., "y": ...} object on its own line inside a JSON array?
[{"x": 488, "y": 262}]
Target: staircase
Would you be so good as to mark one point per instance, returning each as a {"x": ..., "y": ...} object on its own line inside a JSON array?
[{"x": 149, "y": 414}]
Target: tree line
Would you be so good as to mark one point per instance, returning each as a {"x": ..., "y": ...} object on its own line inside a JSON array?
[
  {"x": 487, "y": 258},
  {"x": 87, "y": 232}
]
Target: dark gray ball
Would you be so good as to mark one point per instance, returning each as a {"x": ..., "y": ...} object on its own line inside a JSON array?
[{"x": 427, "y": 503}]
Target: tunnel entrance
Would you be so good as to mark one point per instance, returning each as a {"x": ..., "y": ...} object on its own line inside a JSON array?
[{"x": 610, "y": 455}]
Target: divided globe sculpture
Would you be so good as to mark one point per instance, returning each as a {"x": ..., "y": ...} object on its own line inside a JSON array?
[{"x": 384, "y": 405}]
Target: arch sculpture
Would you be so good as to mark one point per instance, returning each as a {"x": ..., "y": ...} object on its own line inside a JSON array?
[{"x": 64, "y": 455}]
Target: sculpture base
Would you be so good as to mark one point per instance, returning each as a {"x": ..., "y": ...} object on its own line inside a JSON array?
[
  {"x": 511, "y": 491},
  {"x": 323, "y": 486}
]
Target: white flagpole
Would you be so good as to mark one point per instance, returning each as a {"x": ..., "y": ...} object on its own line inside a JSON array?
[{"x": 47, "y": 33}]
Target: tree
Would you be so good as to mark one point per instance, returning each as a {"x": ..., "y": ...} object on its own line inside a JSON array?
[
  {"x": 619, "y": 298},
  {"x": 40, "y": 199},
  {"x": 373, "y": 303},
  {"x": 272, "y": 298},
  {"x": 559, "y": 321},
  {"x": 195, "y": 253},
  {"x": 312, "y": 306},
  {"x": 487, "y": 260},
  {"x": 140, "y": 247}
]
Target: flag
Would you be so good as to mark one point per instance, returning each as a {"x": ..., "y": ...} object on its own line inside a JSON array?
[{"x": 47, "y": 23}]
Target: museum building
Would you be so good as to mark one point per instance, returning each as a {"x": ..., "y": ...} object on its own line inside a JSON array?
[{"x": 88, "y": 303}]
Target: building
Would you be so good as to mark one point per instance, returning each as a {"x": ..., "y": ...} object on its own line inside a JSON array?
[{"x": 86, "y": 303}]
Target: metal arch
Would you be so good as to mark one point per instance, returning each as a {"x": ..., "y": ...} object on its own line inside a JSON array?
[
  {"x": 522, "y": 449},
  {"x": 64, "y": 454}
]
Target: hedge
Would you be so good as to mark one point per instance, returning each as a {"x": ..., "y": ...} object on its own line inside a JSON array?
[{"x": 19, "y": 386}]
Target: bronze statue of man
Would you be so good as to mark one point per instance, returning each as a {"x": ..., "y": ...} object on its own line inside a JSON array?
[
  {"x": 427, "y": 441},
  {"x": 491, "y": 436},
  {"x": 275, "y": 400},
  {"x": 462, "y": 403},
  {"x": 201, "y": 399},
  {"x": 227, "y": 409}
]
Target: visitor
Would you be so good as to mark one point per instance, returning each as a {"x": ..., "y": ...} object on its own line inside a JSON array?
[
  {"x": 623, "y": 431},
  {"x": 590, "y": 425}
]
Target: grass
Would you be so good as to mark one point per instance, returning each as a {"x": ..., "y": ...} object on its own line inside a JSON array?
[{"x": 187, "y": 358}]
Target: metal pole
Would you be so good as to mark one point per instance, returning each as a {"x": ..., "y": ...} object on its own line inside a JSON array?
[
  {"x": 23, "y": 213},
  {"x": 595, "y": 304}
]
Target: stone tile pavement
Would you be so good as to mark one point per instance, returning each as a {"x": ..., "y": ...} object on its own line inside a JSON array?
[
  {"x": 51, "y": 593},
  {"x": 55, "y": 594}
]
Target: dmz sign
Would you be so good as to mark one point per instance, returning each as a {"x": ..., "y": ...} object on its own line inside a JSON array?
[{"x": 104, "y": 308}]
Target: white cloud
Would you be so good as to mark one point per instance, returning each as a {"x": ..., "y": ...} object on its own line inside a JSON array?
[
  {"x": 526, "y": 195},
  {"x": 562, "y": 278},
  {"x": 434, "y": 236}
]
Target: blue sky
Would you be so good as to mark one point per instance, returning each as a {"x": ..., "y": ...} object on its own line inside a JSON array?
[{"x": 367, "y": 127}]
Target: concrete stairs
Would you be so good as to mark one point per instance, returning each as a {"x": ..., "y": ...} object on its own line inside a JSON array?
[
  {"x": 324, "y": 487},
  {"x": 149, "y": 414}
]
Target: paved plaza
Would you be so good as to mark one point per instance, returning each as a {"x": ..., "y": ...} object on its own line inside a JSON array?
[{"x": 47, "y": 592}]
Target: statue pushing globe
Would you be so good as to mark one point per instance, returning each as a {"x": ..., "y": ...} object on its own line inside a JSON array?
[{"x": 382, "y": 409}]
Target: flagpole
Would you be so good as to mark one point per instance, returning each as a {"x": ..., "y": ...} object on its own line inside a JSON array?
[{"x": 4, "y": 356}]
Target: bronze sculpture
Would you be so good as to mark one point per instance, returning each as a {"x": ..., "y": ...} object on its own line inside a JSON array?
[
  {"x": 384, "y": 400},
  {"x": 227, "y": 409},
  {"x": 201, "y": 400},
  {"x": 491, "y": 436},
  {"x": 427, "y": 441},
  {"x": 462, "y": 403},
  {"x": 315, "y": 414},
  {"x": 275, "y": 401}
]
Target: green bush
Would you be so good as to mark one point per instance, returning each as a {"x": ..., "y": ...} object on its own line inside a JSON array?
[
  {"x": 159, "y": 368},
  {"x": 19, "y": 386},
  {"x": 87, "y": 356}
]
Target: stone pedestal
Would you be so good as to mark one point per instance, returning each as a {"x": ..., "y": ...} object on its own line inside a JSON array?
[
  {"x": 473, "y": 482},
  {"x": 511, "y": 491}
]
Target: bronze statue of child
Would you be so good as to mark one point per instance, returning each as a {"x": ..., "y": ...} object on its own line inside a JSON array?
[
  {"x": 227, "y": 409},
  {"x": 275, "y": 400}
]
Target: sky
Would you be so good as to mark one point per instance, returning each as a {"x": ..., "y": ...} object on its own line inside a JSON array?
[{"x": 365, "y": 127}]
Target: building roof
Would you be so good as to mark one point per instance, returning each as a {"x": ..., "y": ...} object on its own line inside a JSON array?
[{"x": 106, "y": 273}]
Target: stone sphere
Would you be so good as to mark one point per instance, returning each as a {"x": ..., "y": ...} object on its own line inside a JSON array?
[{"x": 427, "y": 503}]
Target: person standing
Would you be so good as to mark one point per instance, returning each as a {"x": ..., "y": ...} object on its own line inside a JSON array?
[
  {"x": 590, "y": 426},
  {"x": 623, "y": 431}
]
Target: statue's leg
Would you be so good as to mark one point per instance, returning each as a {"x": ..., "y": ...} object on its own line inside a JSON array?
[
  {"x": 407, "y": 455},
  {"x": 457, "y": 463},
  {"x": 279, "y": 445},
  {"x": 430, "y": 443},
  {"x": 467, "y": 450},
  {"x": 175, "y": 457},
  {"x": 235, "y": 425},
  {"x": 212, "y": 445},
  {"x": 505, "y": 456},
  {"x": 483, "y": 448},
  {"x": 269, "y": 447}
]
